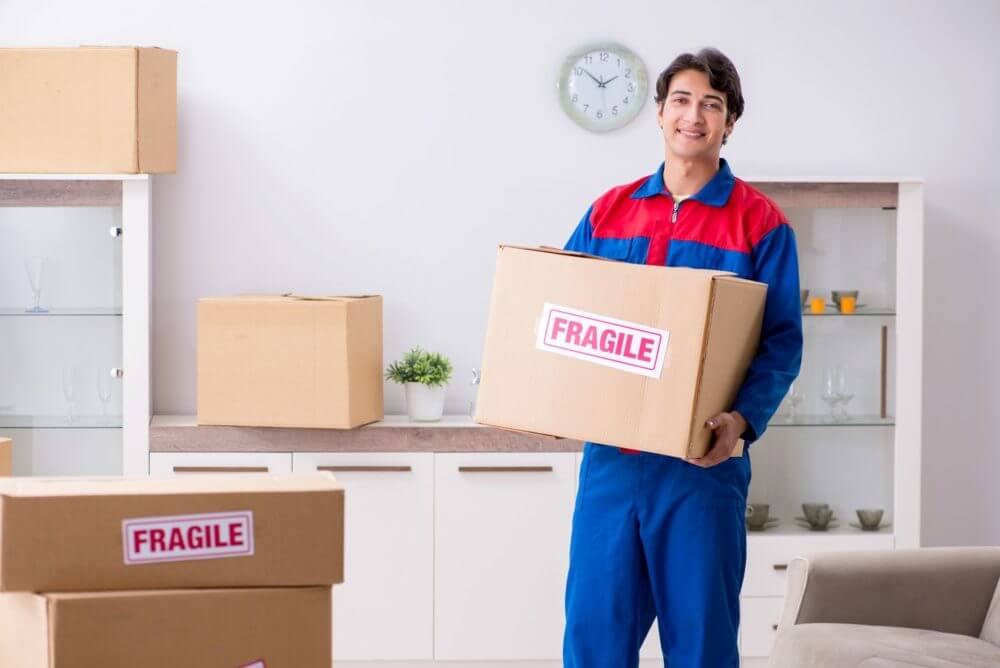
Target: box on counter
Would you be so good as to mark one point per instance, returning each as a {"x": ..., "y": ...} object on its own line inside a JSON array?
[
  {"x": 88, "y": 110},
  {"x": 222, "y": 530},
  {"x": 290, "y": 361},
  {"x": 6, "y": 457},
  {"x": 236, "y": 628},
  {"x": 630, "y": 355}
]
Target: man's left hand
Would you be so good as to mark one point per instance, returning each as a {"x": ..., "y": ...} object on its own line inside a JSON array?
[{"x": 728, "y": 428}]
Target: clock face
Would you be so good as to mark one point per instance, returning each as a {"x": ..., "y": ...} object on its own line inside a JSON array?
[{"x": 603, "y": 87}]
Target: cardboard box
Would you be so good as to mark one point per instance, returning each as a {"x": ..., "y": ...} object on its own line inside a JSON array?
[
  {"x": 635, "y": 356},
  {"x": 222, "y": 530},
  {"x": 6, "y": 457},
  {"x": 290, "y": 361},
  {"x": 88, "y": 109},
  {"x": 208, "y": 628}
]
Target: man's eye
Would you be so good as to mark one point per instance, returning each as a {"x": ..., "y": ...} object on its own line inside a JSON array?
[
  {"x": 712, "y": 105},
  {"x": 680, "y": 100}
]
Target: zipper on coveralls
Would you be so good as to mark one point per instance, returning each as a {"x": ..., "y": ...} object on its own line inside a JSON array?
[{"x": 677, "y": 208}]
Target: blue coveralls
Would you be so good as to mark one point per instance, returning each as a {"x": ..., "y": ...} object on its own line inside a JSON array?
[{"x": 655, "y": 536}]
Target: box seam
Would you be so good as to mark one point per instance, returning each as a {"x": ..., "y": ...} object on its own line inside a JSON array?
[{"x": 701, "y": 369}]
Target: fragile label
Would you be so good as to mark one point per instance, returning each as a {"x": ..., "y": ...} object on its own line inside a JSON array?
[
  {"x": 188, "y": 537},
  {"x": 619, "y": 344}
]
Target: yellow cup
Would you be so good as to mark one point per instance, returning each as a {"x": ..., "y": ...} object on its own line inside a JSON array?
[
  {"x": 847, "y": 304},
  {"x": 817, "y": 305}
]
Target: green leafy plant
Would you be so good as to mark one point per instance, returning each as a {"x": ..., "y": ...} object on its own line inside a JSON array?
[{"x": 419, "y": 366}]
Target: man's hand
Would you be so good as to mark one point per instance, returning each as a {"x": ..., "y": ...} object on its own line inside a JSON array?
[{"x": 727, "y": 427}]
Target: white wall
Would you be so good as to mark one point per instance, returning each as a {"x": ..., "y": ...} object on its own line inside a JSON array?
[{"x": 390, "y": 146}]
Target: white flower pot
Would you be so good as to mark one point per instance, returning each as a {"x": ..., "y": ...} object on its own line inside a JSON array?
[{"x": 424, "y": 403}]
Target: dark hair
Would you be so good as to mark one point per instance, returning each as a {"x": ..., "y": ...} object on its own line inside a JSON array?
[{"x": 722, "y": 76}]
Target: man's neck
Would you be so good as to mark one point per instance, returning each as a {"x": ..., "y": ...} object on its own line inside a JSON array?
[{"x": 687, "y": 177}]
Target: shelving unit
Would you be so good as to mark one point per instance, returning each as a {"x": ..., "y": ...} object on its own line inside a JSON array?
[{"x": 94, "y": 231}]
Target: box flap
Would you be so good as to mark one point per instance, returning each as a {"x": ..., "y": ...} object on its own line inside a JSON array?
[{"x": 199, "y": 484}]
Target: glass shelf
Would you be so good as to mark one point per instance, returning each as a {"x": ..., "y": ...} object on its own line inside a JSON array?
[
  {"x": 826, "y": 421},
  {"x": 831, "y": 311},
  {"x": 791, "y": 528},
  {"x": 60, "y": 422},
  {"x": 89, "y": 311}
]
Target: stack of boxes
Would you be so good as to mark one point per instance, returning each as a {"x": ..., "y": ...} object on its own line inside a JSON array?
[
  {"x": 220, "y": 571},
  {"x": 6, "y": 457}
]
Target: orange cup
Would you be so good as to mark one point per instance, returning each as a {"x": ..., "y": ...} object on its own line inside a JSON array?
[
  {"x": 847, "y": 304},
  {"x": 817, "y": 305}
]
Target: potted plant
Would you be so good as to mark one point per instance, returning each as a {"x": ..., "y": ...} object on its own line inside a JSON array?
[{"x": 424, "y": 376}]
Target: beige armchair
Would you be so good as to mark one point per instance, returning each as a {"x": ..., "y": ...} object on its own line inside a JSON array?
[{"x": 929, "y": 607}]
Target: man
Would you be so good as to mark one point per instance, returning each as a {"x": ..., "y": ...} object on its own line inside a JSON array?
[{"x": 658, "y": 536}]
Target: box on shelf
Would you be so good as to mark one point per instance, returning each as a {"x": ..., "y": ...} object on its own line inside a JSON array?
[
  {"x": 251, "y": 628},
  {"x": 629, "y": 355},
  {"x": 6, "y": 457},
  {"x": 88, "y": 110},
  {"x": 221, "y": 530},
  {"x": 290, "y": 361}
]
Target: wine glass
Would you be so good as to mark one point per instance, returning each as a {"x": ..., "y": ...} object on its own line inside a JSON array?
[
  {"x": 829, "y": 393},
  {"x": 794, "y": 398},
  {"x": 844, "y": 389},
  {"x": 33, "y": 266},
  {"x": 104, "y": 391},
  {"x": 69, "y": 389}
]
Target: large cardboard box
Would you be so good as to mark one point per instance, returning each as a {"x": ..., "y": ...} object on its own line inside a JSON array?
[
  {"x": 629, "y": 355},
  {"x": 222, "y": 530},
  {"x": 88, "y": 109},
  {"x": 290, "y": 361},
  {"x": 208, "y": 628},
  {"x": 6, "y": 457}
]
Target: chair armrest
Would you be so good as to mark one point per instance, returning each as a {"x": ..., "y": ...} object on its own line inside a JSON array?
[{"x": 945, "y": 589}]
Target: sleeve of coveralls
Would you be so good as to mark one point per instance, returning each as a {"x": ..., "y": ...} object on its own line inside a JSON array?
[
  {"x": 579, "y": 241},
  {"x": 779, "y": 354}
]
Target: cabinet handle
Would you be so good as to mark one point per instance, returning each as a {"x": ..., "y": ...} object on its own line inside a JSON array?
[
  {"x": 365, "y": 469},
  {"x": 781, "y": 567},
  {"x": 504, "y": 469},
  {"x": 220, "y": 469},
  {"x": 774, "y": 627}
]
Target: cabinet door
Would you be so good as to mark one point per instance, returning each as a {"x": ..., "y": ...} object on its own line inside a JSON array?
[
  {"x": 502, "y": 527},
  {"x": 170, "y": 463},
  {"x": 759, "y": 617},
  {"x": 384, "y": 609}
]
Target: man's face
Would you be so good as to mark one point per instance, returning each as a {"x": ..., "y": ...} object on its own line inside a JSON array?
[{"x": 693, "y": 117}]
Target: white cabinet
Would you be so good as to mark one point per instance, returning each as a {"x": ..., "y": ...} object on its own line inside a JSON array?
[
  {"x": 384, "y": 609},
  {"x": 759, "y": 617},
  {"x": 170, "y": 463},
  {"x": 502, "y": 528}
]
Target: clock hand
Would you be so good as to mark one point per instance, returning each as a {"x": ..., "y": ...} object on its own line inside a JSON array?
[
  {"x": 592, "y": 76},
  {"x": 610, "y": 80}
]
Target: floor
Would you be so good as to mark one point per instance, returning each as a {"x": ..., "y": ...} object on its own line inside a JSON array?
[{"x": 647, "y": 663}]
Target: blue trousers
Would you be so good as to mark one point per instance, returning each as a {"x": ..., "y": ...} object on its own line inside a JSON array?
[{"x": 655, "y": 537}]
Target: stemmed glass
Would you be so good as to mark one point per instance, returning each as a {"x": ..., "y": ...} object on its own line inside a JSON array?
[
  {"x": 69, "y": 389},
  {"x": 794, "y": 398},
  {"x": 33, "y": 266},
  {"x": 829, "y": 393},
  {"x": 104, "y": 391},
  {"x": 844, "y": 389}
]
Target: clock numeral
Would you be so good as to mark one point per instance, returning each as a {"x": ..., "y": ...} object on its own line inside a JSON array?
[
  {"x": 625, "y": 101},
  {"x": 586, "y": 107},
  {"x": 600, "y": 114},
  {"x": 628, "y": 73},
  {"x": 604, "y": 56},
  {"x": 614, "y": 110},
  {"x": 578, "y": 71},
  {"x": 574, "y": 98},
  {"x": 631, "y": 88},
  {"x": 588, "y": 59},
  {"x": 619, "y": 63}
]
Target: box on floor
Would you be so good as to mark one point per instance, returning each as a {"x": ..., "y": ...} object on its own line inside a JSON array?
[
  {"x": 61, "y": 535},
  {"x": 290, "y": 361},
  {"x": 208, "y": 628},
  {"x": 630, "y": 355},
  {"x": 88, "y": 110}
]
